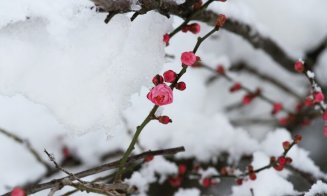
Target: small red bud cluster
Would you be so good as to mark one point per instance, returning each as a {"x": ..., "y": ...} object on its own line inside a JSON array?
[
  {"x": 248, "y": 98},
  {"x": 252, "y": 174},
  {"x": 177, "y": 180},
  {"x": 193, "y": 28},
  {"x": 277, "y": 107},
  {"x": 281, "y": 162}
]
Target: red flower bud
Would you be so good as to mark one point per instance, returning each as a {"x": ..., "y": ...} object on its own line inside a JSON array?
[
  {"x": 164, "y": 119},
  {"x": 66, "y": 152},
  {"x": 181, "y": 169},
  {"x": 277, "y": 107},
  {"x": 283, "y": 121},
  {"x": 282, "y": 160},
  {"x": 181, "y": 86},
  {"x": 17, "y": 191},
  {"x": 169, "y": 76},
  {"x": 148, "y": 158},
  {"x": 166, "y": 39},
  {"x": 247, "y": 99},
  {"x": 157, "y": 79},
  {"x": 239, "y": 181},
  {"x": 220, "y": 69},
  {"x": 318, "y": 97},
  {"x": 207, "y": 182},
  {"x": 175, "y": 181},
  {"x": 308, "y": 102},
  {"x": 278, "y": 167},
  {"x": 286, "y": 145},
  {"x": 299, "y": 66},
  {"x": 297, "y": 139},
  {"x": 237, "y": 86},
  {"x": 194, "y": 28},
  {"x": 221, "y": 19},
  {"x": 185, "y": 28},
  {"x": 252, "y": 176}
]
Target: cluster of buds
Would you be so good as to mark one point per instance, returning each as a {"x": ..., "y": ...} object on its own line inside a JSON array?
[
  {"x": 251, "y": 172},
  {"x": 317, "y": 97},
  {"x": 193, "y": 28},
  {"x": 277, "y": 107},
  {"x": 248, "y": 98},
  {"x": 177, "y": 180},
  {"x": 281, "y": 162}
]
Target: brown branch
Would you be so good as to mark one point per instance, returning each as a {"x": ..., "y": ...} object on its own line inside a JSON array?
[
  {"x": 184, "y": 11},
  {"x": 99, "y": 169},
  {"x": 28, "y": 146},
  {"x": 265, "y": 77},
  {"x": 244, "y": 88}
]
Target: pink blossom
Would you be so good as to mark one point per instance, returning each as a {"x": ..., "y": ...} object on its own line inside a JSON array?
[
  {"x": 188, "y": 58},
  {"x": 161, "y": 95}
]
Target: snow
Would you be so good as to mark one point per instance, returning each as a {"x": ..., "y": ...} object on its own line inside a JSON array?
[
  {"x": 147, "y": 174},
  {"x": 67, "y": 67},
  {"x": 318, "y": 188},
  {"x": 187, "y": 192}
]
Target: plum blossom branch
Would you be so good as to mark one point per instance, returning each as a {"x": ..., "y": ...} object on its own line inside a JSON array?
[
  {"x": 277, "y": 107},
  {"x": 151, "y": 116},
  {"x": 278, "y": 164}
]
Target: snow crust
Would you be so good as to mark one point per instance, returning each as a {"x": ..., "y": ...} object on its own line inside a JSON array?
[{"x": 66, "y": 58}]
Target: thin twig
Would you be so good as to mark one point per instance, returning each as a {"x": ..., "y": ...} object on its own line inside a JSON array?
[{"x": 29, "y": 147}]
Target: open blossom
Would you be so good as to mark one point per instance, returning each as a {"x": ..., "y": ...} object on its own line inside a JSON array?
[
  {"x": 188, "y": 58},
  {"x": 161, "y": 95}
]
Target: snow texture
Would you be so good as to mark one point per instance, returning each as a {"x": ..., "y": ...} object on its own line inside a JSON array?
[
  {"x": 318, "y": 188},
  {"x": 66, "y": 58}
]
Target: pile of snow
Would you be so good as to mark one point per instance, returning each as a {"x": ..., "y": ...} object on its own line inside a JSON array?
[{"x": 66, "y": 58}]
